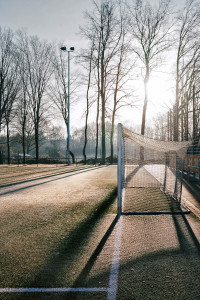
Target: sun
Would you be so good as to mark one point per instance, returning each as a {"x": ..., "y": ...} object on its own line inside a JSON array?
[{"x": 160, "y": 92}]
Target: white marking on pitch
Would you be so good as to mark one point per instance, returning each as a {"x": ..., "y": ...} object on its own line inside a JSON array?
[
  {"x": 51, "y": 290},
  {"x": 113, "y": 279},
  {"x": 114, "y": 271}
]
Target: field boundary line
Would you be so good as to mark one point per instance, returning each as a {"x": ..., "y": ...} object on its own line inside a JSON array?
[
  {"x": 52, "y": 290},
  {"x": 114, "y": 270}
]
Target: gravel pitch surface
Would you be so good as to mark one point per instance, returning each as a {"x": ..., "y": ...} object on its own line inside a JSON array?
[{"x": 61, "y": 232}]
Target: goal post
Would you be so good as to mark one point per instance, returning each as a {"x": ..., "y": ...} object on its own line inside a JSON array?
[{"x": 150, "y": 174}]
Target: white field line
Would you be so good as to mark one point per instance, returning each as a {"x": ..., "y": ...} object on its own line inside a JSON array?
[
  {"x": 113, "y": 279},
  {"x": 51, "y": 290},
  {"x": 114, "y": 271}
]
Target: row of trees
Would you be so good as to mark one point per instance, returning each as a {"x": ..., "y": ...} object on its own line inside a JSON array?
[
  {"x": 25, "y": 70},
  {"x": 140, "y": 34},
  {"x": 121, "y": 38},
  {"x": 182, "y": 120},
  {"x": 52, "y": 146}
]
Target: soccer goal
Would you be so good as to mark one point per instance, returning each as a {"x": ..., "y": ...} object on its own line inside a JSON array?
[{"x": 149, "y": 174}]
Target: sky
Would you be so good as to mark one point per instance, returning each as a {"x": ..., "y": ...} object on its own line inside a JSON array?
[
  {"x": 59, "y": 20},
  {"x": 49, "y": 19}
]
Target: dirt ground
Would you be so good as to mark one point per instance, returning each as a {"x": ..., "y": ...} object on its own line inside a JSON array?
[
  {"x": 14, "y": 174},
  {"x": 62, "y": 233}
]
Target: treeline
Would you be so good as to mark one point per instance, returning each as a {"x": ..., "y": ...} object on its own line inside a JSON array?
[
  {"x": 122, "y": 38},
  {"x": 182, "y": 120},
  {"x": 141, "y": 35},
  {"x": 52, "y": 146}
]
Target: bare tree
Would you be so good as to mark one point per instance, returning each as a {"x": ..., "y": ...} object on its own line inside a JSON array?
[
  {"x": 10, "y": 94},
  {"x": 23, "y": 103},
  {"x": 122, "y": 94},
  {"x": 88, "y": 99},
  {"x": 6, "y": 67},
  {"x": 150, "y": 33},
  {"x": 188, "y": 47},
  {"x": 38, "y": 71},
  {"x": 9, "y": 80},
  {"x": 104, "y": 23},
  {"x": 59, "y": 88}
]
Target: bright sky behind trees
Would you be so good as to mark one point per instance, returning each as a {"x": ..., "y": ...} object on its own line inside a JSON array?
[{"x": 59, "y": 20}]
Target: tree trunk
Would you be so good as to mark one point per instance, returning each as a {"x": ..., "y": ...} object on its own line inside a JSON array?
[
  {"x": 182, "y": 119},
  {"x": 194, "y": 113},
  {"x": 1, "y": 157},
  {"x": 70, "y": 152},
  {"x": 146, "y": 80},
  {"x": 24, "y": 141},
  {"x": 176, "y": 106},
  {"x": 186, "y": 119},
  {"x": 97, "y": 117},
  {"x": 103, "y": 107},
  {"x": 111, "y": 137},
  {"x": 87, "y": 109},
  {"x": 85, "y": 135},
  {"x": 72, "y": 155},
  {"x": 97, "y": 130},
  {"x": 8, "y": 142},
  {"x": 103, "y": 153},
  {"x": 36, "y": 144}
]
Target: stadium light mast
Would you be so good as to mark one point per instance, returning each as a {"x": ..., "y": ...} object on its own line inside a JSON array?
[{"x": 71, "y": 49}]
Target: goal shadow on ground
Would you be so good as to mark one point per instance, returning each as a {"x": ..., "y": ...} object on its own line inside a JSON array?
[
  {"x": 182, "y": 225},
  {"x": 86, "y": 270},
  {"x": 157, "y": 275},
  {"x": 66, "y": 252},
  {"x": 163, "y": 274}
]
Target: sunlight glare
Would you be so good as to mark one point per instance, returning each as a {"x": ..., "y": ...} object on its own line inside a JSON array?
[{"x": 159, "y": 91}]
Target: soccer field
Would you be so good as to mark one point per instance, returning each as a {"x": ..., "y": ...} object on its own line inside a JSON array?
[{"x": 61, "y": 239}]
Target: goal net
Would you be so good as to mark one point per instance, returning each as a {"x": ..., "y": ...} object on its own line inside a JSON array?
[{"x": 149, "y": 174}]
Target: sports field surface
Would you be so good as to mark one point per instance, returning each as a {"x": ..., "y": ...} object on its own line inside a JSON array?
[{"x": 61, "y": 239}]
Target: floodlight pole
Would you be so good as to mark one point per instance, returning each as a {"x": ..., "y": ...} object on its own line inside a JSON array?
[{"x": 68, "y": 104}]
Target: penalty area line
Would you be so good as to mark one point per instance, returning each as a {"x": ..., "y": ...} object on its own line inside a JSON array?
[{"x": 51, "y": 290}]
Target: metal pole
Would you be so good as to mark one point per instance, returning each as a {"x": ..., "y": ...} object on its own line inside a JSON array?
[
  {"x": 68, "y": 104},
  {"x": 68, "y": 107}
]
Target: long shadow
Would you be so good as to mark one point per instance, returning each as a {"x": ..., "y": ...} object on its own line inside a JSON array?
[
  {"x": 163, "y": 274},
  {"x": 184, "y": 230},
  {"x": 194, "y": 189},
  {"x": 67, "y": 251},
  {"x": 133, "y": 173},
  {"x": 86, "y": 270},
  {"x": 46, "y": 177}
]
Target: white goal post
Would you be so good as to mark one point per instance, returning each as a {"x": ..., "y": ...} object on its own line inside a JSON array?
[{"x": 150, "y": 174}]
